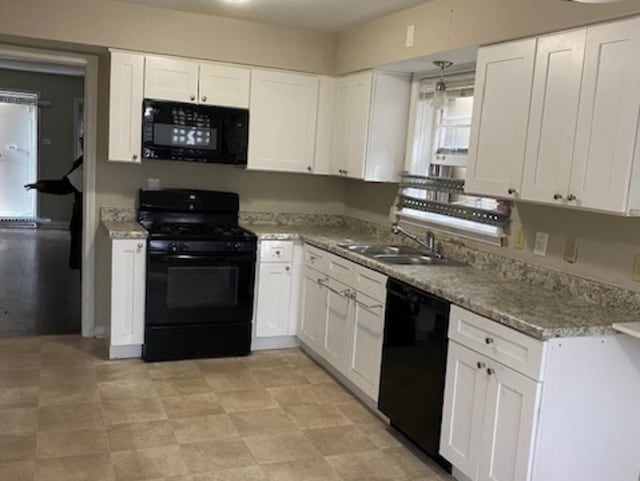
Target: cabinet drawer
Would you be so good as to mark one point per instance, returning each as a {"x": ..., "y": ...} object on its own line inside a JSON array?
[
  {"x": 315, "y": 258},
  {"x": 276, "y": 251},
  {"x": 514, "y": 349},
  {"x": 370, "y": 282},
  {"x": 340, "y": 269}
]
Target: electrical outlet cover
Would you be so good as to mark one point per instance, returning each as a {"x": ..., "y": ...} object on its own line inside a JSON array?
[
  {"x": 540, "y": 247},
  {"x": 571, "y": 251},
  {"x": 411, "y": 32},
  {"x": 636, "y": 268}
]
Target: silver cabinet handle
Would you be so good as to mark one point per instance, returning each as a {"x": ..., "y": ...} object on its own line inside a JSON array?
[
  {"x": 571, "y": 198},
  {"x": 204, "y": 98},
  {"x": 310, "y": 169},
  {"x": 489, "y": 340},
  {"x": 135, "y": 157},
  {"x": 557, "y": 197},
  {"x": 287, "y": 268},
  {"x": 491, "y": 372},
  {"x": 193, "y": 97},
  {"x": 512, "y": 191},
  {"x": 481, "y": 365},
  {"x": 140, "y": 246}
]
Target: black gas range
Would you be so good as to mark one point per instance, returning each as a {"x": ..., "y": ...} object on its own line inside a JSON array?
[{"x": 200, "y": 275}]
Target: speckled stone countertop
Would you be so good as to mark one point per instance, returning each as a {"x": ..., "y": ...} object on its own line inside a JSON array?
[
  {"x": 539, "y": 312},
  {"x": 120, "y": 223}
]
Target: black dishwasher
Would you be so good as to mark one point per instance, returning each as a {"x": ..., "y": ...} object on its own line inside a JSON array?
[{"x": 414, "y": 359}]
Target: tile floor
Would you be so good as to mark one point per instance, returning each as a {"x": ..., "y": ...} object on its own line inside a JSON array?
[
  {"x": 66, "y": 414},
  {"x": 39, "y": 294}
]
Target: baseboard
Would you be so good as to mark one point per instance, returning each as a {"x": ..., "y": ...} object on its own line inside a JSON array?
[
  {"x": 268, "y": 343},
  {"x": 100, "y": 332},
  {"x": 342, "y": 379},
  {"x": 458, "y": 475},
  {"x": 125, "y": 352}
]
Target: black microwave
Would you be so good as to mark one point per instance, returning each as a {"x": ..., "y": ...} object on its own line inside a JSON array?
[{"x": 195, "y": 133}]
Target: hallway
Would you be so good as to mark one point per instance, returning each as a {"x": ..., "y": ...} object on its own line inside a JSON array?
[{"x": 39, "y": 294}]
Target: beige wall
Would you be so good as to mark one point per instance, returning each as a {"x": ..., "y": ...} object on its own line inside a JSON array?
[
  {"x": 55, "y": 124},
  {"x": 607, "y": 243},
  {"x": 442, "y": 25},
  {"x": 102, "y": 23}
]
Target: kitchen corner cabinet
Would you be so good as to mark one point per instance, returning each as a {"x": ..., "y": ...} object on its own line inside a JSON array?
[
  {"x": 504, "y": 74},
  {"x": 125, "y": 106},
  {"x": 282, "y": 129},
  {"x": 127, "y": 307},
  {"x": 342, "y": 317},
  {"x": 575, "y": 142},
  {"x": 370, "y": 126},
  {"x": 520, "y": 409}
]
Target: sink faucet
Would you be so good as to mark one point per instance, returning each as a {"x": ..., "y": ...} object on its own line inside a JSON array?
[{"x": 429, "y": 244}]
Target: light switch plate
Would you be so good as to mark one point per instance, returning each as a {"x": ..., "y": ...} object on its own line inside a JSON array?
[
  {"x": 411, "y": 32},
  {"x": 571, "y": 251},
  {"x": 540, "y": 247},
  {"x": 636, "y": 268}
]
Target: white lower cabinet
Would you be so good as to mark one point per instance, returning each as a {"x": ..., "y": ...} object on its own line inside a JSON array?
[
  {"x": 521, "y": 409},
  {"x": 340, "y": 322},
  {"x": 276, "y": 305},
  {"x": 313, "y": 312},
  {"x": 274, "y": 300},
  {"x": 128, "y": 291}
]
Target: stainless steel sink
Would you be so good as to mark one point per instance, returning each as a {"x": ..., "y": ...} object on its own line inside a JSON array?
[
  {"x": 409, "y": 259},
  {"x": 370, "y": 250},
  {"x": 401, "y": 255}
]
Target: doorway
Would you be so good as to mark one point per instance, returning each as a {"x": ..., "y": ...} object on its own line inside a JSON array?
[
  {"x": 18, "y": 156},
  {"x": 88, "y": 64}
]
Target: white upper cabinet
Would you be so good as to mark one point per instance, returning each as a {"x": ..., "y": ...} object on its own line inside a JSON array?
[
  {"x": 554, "y": 114},
  {"x": 171, "y": 79},
  {"x": 125, "y": 106},
  {"x": 224, "y": 85},
  {"x": 504, "y": 77},
  {"x": 282, "y": 129},
  {"x": 606, "y": 137},
  {"x": 370, "y": 126}
]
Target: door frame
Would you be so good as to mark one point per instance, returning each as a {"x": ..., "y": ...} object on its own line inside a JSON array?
[{"x": 90, "y": 65}]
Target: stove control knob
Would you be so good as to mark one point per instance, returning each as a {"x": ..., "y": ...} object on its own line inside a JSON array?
[
  {"x": 236, "y": 246},
  {"x": 184, "y": 247},
  {"x": 173, "y": 247}
]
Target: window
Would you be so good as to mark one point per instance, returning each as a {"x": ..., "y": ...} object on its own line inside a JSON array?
[{"x": 432, "y": 191}]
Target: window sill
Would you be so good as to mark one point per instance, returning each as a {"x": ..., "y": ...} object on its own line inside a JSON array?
[{"x": 459, "y": 227}]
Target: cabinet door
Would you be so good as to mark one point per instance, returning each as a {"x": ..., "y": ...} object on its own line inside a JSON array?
[
  {"x": 274, "y": 300},
  {"x": 313, "y": 314},
  {"x": 351, "y": 124},
  {"x": 125, "y": 107},
  {"x": 284, "y": 109},
  {"x": 464, "y": 399},
  {"x": 554, "y": 114},
  {"x": 504, "y": 75},
  {"x": 608, "y": 117},
  {"x": 365, "y": 356},
  {"x": 510, "y": 421},
  {"x": 171, "y": 79},
  {"x": 224, "y": 85},
  {"x": 128, "y": 283},
  {"x": 335, "y": 345}
]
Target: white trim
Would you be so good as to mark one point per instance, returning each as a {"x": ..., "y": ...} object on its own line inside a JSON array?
[
  {"x": 90, "y": 65},
  {"x": 279, "y": 342},
  {"x": 125, "y": 352},
  {"x": 454, "y": 226}
]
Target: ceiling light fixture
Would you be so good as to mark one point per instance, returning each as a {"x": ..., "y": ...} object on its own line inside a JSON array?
[{"x": 440, "y": 98}]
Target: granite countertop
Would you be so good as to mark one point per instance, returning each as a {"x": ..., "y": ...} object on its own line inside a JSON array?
[
  {"x": 124, "y": 229},
  {"x": 533, "y": 310}
]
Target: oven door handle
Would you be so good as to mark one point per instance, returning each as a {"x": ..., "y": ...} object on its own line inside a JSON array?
[{"x": 226, "y": 257}]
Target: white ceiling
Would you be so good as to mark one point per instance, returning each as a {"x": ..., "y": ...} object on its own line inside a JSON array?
[{"x": 327, "y": 15}]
